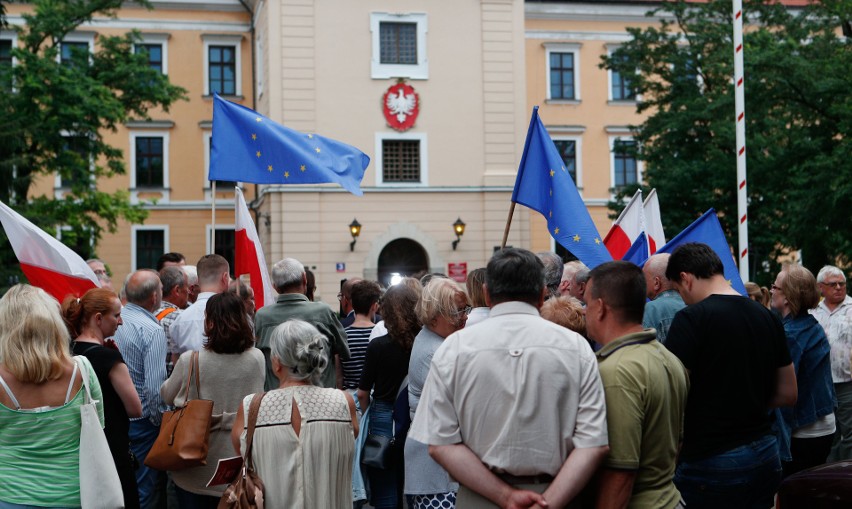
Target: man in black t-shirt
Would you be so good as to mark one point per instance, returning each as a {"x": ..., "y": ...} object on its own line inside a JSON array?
[{"x": 740, "y": 368}]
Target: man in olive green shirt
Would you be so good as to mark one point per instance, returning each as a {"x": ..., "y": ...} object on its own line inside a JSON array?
[
  {"x": 290, "y": 281},
  {"x": 645, "y": 387}
]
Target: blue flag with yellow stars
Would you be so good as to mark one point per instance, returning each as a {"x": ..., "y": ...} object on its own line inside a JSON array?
[
  {"x": 708, "y": 230},
  {"x": 543, "y": 184},
  {"x": 248, "y": 147}
]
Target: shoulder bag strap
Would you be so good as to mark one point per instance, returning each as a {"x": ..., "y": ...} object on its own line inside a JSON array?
[
  {"x": 195, "y": 356},
  {"x": 254, "y": 409},
  {"x": 191, "y": 368},
  {"x": 84, "y": 373}
]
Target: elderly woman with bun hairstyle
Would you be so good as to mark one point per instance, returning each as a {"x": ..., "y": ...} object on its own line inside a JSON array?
[
  {"x": 40, "y": 397},
  {"x": 304, "y": 442},
  {"x": 92, "y": 319}
]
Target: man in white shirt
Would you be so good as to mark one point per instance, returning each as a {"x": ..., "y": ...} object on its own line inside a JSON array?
[
  {"x": 187, "y": 331},
  {"x": 514, "y": 408}
]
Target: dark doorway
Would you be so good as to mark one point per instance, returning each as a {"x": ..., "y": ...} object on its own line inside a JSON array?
[{"x": 401, "y": 256}]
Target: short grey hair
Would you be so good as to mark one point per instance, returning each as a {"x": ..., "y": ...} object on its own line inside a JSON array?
[
  {"x": 828, "y": 271},
  {"x": 172, "y": 277},
  {"x": 553, "y": 269},
  {"x": 582, "y": 275},
  {"x": 571, "y": 268},
  {"x": 140, "y": 291},
  {"x": 191, "y": 274},
  {"x": 286, "y": 273},
  {"x": 301, "y": 348}
]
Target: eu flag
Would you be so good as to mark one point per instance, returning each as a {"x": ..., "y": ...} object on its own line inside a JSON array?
[
  {"x": 543, "y": 184},
  {"x": 707, "y": 230},
  {"x": 248, "y": 147}
]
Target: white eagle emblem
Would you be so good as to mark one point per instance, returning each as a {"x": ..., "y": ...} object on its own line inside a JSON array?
[{"x": 400, "y": 104}]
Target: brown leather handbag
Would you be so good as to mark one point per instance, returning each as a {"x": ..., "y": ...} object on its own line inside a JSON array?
[
  {"x": 184, "y": 432},
  {"x": 246, "y": 491}
]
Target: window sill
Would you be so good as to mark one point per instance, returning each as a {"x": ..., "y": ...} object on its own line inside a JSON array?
[
  {"x": 209, "y": 97},
  {"x": 573, "y": 102},
  {"x": 622, "y": 102}
]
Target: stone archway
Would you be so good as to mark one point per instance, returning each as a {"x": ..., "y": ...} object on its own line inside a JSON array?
[
  {"x": 402, "y": 231},
  {"x": 401, "y": 257}
]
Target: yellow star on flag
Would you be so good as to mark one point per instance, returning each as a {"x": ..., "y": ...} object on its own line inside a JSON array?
[
  {"x": 302, "y": 167},
  {"x": 253, "y": 136},
  {"x": 257, "y": 153},
  {"x": 556, "y": 231},
  {"x": 597, "y": 240},
  {"x": 269, "y": 167},
  {"x": 575, "y": 238},
  {"x": 552, "y": 173},
  {"x": 258, "y": 119},
  {"x": 551, "y": 191},
  {"x": 550, "y": 214},
  {"x": 563, "y": 169},
  {"x": 318, "y": 150},
  {"x": 310, "y": 136},
  {"x": 286, "y": 174}
]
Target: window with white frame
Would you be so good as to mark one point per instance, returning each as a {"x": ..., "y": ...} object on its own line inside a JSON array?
[
  {"x": 563, "y": 71},
  {"x": 625, "y": 167},
  {"x": 7, "y": 42},
  {"x": 620, "y": 84},
  {"x": 401, "y": 159},
  {"x": 225, "y": 242},
  {"x": 569, "y": 151},
  {"x": 222, "y": 64},
  {"x": 149, "y": 242},
  {"x": 149, "y": 160},
  {"x": 156, "y": 50},
  {"x": 76, "y": 48},
  {"x": 399, "y": 45}
]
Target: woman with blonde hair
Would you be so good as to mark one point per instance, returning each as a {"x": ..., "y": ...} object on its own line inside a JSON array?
[
  {"x": 40, "y": 399},
  {"x": 304, "y": 442},
  {"x": 443, "y": 309},
  {"x": 567, "y": 312},
  {"x": 476, "y": 292},
  {"x": 90, "y": 320}
]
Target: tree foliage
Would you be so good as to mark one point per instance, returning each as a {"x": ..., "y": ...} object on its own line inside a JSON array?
[
  {"x": 798, "y": 122},
  {"x": 53, "y": 118}
]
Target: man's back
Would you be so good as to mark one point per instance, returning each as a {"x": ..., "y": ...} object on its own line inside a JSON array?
[
  {"x": 733, "y": 348},
  {"x": 519, "y": 391},
  {"x": 646, "y": 389}
]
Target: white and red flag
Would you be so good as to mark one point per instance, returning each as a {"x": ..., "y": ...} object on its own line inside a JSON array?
[
  {"x": 248, "y": 256},
  {"x": 627, "y": 228},
  {"x": 654, "y": 222},
  {"x": 47, "y": 263}
]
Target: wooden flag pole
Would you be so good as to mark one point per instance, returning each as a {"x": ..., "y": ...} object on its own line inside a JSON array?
[{"x": 508, "y": 223}]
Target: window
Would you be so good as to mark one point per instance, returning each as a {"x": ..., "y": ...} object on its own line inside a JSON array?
[
  {"x": 5, "y": 64},
  {"x": 624, "y": 166},
  {"x": 75, "y": 158},
  {"x": 399, "y": 46},
  {"x": 73, "y": 53},
  {"x": 154, "y": 53},
  {"x": 398, "y": 43},
  {"x": 401, "y": 161},
  {"x": 563, "y": 74},
  {"x": 620, "y": 87},
  {"x": 149, "y": 161},
  {"x": 79, "y": 239},
  {"x": 225, "y": 242},
  {"x": 149, "y": 243},
  {"x": 568, "y": 152},
  {"x": 222, "y": 61}
]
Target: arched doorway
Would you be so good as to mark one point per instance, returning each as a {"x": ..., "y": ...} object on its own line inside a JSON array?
[{"x": 401, "y": 256}]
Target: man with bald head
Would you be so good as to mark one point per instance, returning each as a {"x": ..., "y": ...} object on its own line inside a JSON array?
[
  {"x": 665, "y": 301},
  {"x": 142, "y": 343}
]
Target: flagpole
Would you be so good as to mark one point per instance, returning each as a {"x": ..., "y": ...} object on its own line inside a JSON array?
[
  {"x": 213, "y": 219},
  {"x": 739, "y": 101},
  {"x": 508, "y": 223}
]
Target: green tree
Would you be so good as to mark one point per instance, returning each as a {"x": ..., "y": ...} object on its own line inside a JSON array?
[
  {"x": 53, "y": 117},
  {"x": 798, "y": 121}
]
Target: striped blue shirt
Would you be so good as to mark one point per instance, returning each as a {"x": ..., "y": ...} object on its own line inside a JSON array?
[{"x": 142, "y": 343}]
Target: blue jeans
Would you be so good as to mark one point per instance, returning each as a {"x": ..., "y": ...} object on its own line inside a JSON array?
[
  {"x": 384, "y": 484},
  {"x": 151, "y": 482},
  {"x": 745, "y": 477},
  {"x": 189, "y": 500}
]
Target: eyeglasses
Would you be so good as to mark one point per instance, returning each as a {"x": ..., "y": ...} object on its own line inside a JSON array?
[
  {"x": 462, "y": 312},
  {"x": 339, "y": 296},
  {"x": 836, "y": 284}
]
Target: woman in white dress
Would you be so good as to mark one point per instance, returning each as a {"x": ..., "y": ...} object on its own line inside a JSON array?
[{"x": 304, "y": 441}]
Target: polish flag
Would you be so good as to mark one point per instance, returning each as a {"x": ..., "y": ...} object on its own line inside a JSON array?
[
  {"x": 248, "y": 256},
  {"x": 47, "y": 263},
  {"x": 654, "y": 222},
  {"x": 626, "y": 228}
]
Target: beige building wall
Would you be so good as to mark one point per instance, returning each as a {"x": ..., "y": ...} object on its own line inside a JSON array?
[
  {"x": 183, "y": 206},
  {"x": 319, "y": 78}
]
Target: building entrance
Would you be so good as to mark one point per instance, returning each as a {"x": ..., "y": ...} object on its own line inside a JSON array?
[{"x": 400, "y": 258}]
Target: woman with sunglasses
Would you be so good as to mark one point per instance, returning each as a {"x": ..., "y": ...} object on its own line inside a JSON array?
[{"x": 443, "y": 309}]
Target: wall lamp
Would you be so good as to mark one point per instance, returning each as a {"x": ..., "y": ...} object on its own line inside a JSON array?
[
  {"x": 458, "y": 228},
  {"x": 355, "y": 230}
]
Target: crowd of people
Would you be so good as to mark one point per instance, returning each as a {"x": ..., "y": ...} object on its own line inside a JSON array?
[{"x": 535, "y": 383}]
